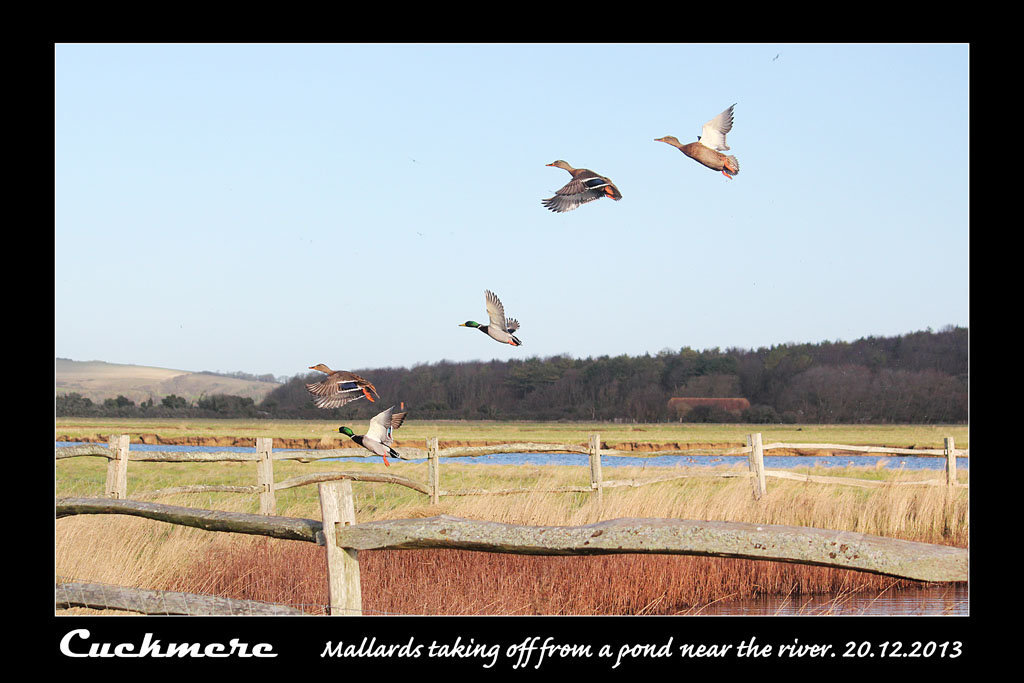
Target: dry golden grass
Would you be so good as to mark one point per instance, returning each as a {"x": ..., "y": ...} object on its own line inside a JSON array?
[
  {"x": 126, "y": 551},
  {"x": 144, "y": 553}
]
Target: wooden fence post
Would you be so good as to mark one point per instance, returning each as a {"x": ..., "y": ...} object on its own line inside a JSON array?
[
  {"x": 950, "y": 462},
  {"x": 265, "y": 475},
  {"x": 756, "y": 461},
  {"x": 433, "y": 471},
  {"x": 117, "y": 467},
  {"x": 947, "y": 501},
  {"x": 337, "y": 506},
  {"x": 596, "y": 482}
]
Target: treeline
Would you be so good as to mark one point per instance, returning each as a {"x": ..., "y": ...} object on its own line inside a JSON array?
[
  {"x": 214, "y": 406},
  {"x": 268, "y": 377},
  {"x": 919, "y": 377}
]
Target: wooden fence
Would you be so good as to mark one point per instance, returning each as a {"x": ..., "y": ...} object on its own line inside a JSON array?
[
  {"x": 344, "y": 539},
  {"x": 103, "y": 596},
  {"x": 117, "y": 452}
]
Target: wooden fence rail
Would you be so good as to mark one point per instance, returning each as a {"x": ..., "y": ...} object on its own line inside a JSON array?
[
  {"x": 119, "y": 455},
  {"x": 344, "y": 538},
  {"x": 288, "y": 528},
  {"x": 800, "y": 545},
  {"x": 144, "y": 601}
]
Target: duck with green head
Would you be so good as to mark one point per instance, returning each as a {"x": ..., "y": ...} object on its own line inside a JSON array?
[
  {"x": 378, "y": 438},
  {"x": 499, "y": 328}
]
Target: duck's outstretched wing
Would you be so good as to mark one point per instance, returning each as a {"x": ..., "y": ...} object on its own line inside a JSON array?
[
  {"x": 396, "y": 421},
  {"x": 495, "y": 311},
  {"x": 384, "y": 423},
  {"x": 713, "y": 133},
  {"x": 580, "y": 190},
  {"x": 339, "y": 399},
  {"x": 339, "y": 388}
]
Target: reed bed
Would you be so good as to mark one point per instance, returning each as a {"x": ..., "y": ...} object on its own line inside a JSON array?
[
  {"x": 143, "y": 553},
  {"x": 450, "y": 582}
]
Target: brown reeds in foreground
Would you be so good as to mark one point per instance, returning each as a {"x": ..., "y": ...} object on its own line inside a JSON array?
[
  {"x": 443, "y": 582},
  {"x": 459, "y": 582},
  {"x": 254, "y": 568},
  {"x": 466, "y": 582}
]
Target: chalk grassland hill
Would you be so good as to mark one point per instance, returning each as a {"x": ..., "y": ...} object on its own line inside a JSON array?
[{"x": 98, "y": 381}]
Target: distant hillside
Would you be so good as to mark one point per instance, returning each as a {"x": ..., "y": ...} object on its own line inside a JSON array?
[{"x": 97, "y": 380}]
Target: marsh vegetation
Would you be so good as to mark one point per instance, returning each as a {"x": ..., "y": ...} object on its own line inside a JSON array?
[{"x": 144, "y": 553}]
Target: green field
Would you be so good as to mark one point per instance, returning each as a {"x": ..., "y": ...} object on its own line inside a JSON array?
[{"x": 415, "y": 432}]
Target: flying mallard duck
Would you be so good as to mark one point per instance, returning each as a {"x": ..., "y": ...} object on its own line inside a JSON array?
[
  {"x": 500, "y": 328},
  {"x": 710, "y": 141},
  {"x": 378, "y": 438},
  {"x": 339, "y": 388},
  {"x": 585, "y": 186}
]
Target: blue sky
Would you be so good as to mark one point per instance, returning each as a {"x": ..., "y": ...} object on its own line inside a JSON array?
[{"x": 267, "y": 207}]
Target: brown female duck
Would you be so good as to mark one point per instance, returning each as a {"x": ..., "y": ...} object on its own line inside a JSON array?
[
  {"x": 710, "y": 145},
  {"x": 339, "y": 388},
  {"x": 585, "y": 186}
]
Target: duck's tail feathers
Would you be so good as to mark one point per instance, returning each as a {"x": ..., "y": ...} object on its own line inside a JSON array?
[{"x": 732, "y": 167}]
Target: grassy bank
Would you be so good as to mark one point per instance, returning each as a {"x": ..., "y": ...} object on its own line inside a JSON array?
[
  {"x": 144, "y": 553},
  {"x": 415, "y": 432}
]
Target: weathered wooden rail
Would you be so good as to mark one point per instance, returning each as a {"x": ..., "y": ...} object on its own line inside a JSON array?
[
  {"x": 344, "y": 538},
  {"x": 288, "y": 528},
  {"x": 144, "y": 601},
  {"x": 118, "y": 454},
  {"x": 800, "y": 545}
]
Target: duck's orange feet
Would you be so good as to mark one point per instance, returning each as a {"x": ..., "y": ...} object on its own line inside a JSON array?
[
  {"x": 726, "y": 174},
  {"x": 367, "y": 395},
  {"x": 386, "y": 463}
]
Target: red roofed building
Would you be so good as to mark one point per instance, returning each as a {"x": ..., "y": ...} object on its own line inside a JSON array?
[{"x": 683, "y": 405}]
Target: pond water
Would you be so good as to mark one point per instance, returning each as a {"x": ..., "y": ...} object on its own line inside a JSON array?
[
  {"x": 935, "y": 600},
  {"x": 892, "y": 462}
]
